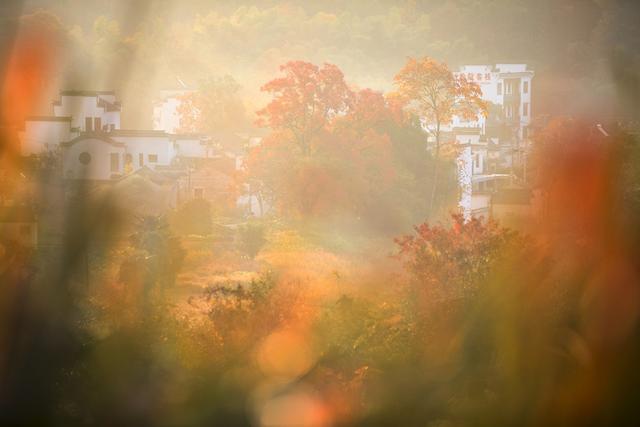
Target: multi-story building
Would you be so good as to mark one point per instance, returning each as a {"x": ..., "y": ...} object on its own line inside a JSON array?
[
  {"x": 506, "y": 86},
  {"x": 491, "y": 146},
  {"x": 166, "y": 115},
  {"x": 84, "y": 140},
  {"x": 85, "y": 131},
  {"x": 77, "y": 111}
]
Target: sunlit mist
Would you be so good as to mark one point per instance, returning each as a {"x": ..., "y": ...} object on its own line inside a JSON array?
[{"x": 296, "y": 213}]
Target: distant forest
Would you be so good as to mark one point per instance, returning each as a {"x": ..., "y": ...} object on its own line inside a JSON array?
[{"x": 585, "y": 52}]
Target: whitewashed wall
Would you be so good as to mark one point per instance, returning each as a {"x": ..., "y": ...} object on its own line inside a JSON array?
[{"x": 99, "y": 168}]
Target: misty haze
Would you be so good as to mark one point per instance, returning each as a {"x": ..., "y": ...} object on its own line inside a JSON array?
[{"x": 329, "y": 213}]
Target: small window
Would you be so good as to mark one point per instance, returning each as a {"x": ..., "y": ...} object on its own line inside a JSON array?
[
  {"x": 525, "y": 109},
  {"x": 198, "y": 193},
  {"x": 97, "y": 123},
  {"x": 153, "y": 158},
  {"x": 525, "y": 87},
  {"x": 508, "y": 111},
  {"x": 499, "y": 88},
  {"x": 84, "y": 158},
  {"x": 140, "y": 159},
  {"x": 88, "y": 124},
  {"x": 115, "y": 162}
]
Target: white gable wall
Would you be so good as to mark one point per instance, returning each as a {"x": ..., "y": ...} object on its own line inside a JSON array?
[
  {"x": 99, "y": 167},
  {"x": 79, "y": 107},
  {"x": 192, "y": 148},
  {"x": 146, "y": 146}
]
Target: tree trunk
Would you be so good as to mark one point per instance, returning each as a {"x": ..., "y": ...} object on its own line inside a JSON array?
[{"x": 434, "y": 183}]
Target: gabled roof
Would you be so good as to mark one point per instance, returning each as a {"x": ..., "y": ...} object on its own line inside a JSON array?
[
  {"x": 101, "y": 102},
  {"x": 101, "y": 136},
  {"x": 155, "y": 176},
  {"x": 74, "y": 92},
  {"x": 109, "y": 106},
  {"x": 136, "y": 132}
]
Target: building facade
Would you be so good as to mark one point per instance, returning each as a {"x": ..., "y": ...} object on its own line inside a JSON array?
[{"x": 492, "y": 147}]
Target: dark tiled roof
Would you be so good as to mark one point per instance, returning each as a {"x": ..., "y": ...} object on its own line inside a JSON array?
[
  {"x": 17, "y": 214},
  {"x": 156, "y": 176},
  {"x": 86, "y": 92},
  {"x": 132, "y": 132},
  {"x": 102, "y": 136},
  {"x": 109, "y": 106}
]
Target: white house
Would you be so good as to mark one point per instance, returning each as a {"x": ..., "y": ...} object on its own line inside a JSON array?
[
  {"x": 145, "y": 147},
  {"x": 104, "y": 156},
  {"x": 194, "y": 146},
  {"x": 94, "y": 156},
  {"x": 166, "y": 116},
  {"x": 85, "y": 129},
  {"x": 77, "y": 111},
  {"x": 89, "y": 110},
  {"x": 477, "y": 178},
  {"x": 505, "y": 85}
]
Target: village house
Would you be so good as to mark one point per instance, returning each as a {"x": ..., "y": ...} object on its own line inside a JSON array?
[
  {"x": 505, "y": 85},
  {"x": 76, "y": 112},
  {"x": 490, "y": 147},
  {"x": 166, "y": 114},
  {"x": 85, "y": 131},
  {"x": 84, "y": 134}
]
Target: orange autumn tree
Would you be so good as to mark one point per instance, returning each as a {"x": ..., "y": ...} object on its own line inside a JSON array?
[
  {"x": 328, "y": 151},
  {"x": 304, "y": 100},
  {"x": 431, "y": 92}
]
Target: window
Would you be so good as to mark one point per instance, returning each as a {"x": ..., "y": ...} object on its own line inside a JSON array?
[
  {"x": 140, "y": 159},
  {"x": 97, "y": 123},
  {"x": 88, "y": 124},
  {"x": 84, "y": 158},
  {"x": 525, "y": 109},
  {"x": 525, "y": 87},
  {"x": 198, "y": 193},
  {"x": 508, "y": 111},
  {"x": 508, "y": 89},
  {"x": 153, "y": 158},
  {"x": 499, "y": 88},
  {"x": 115, "y": 162}
]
